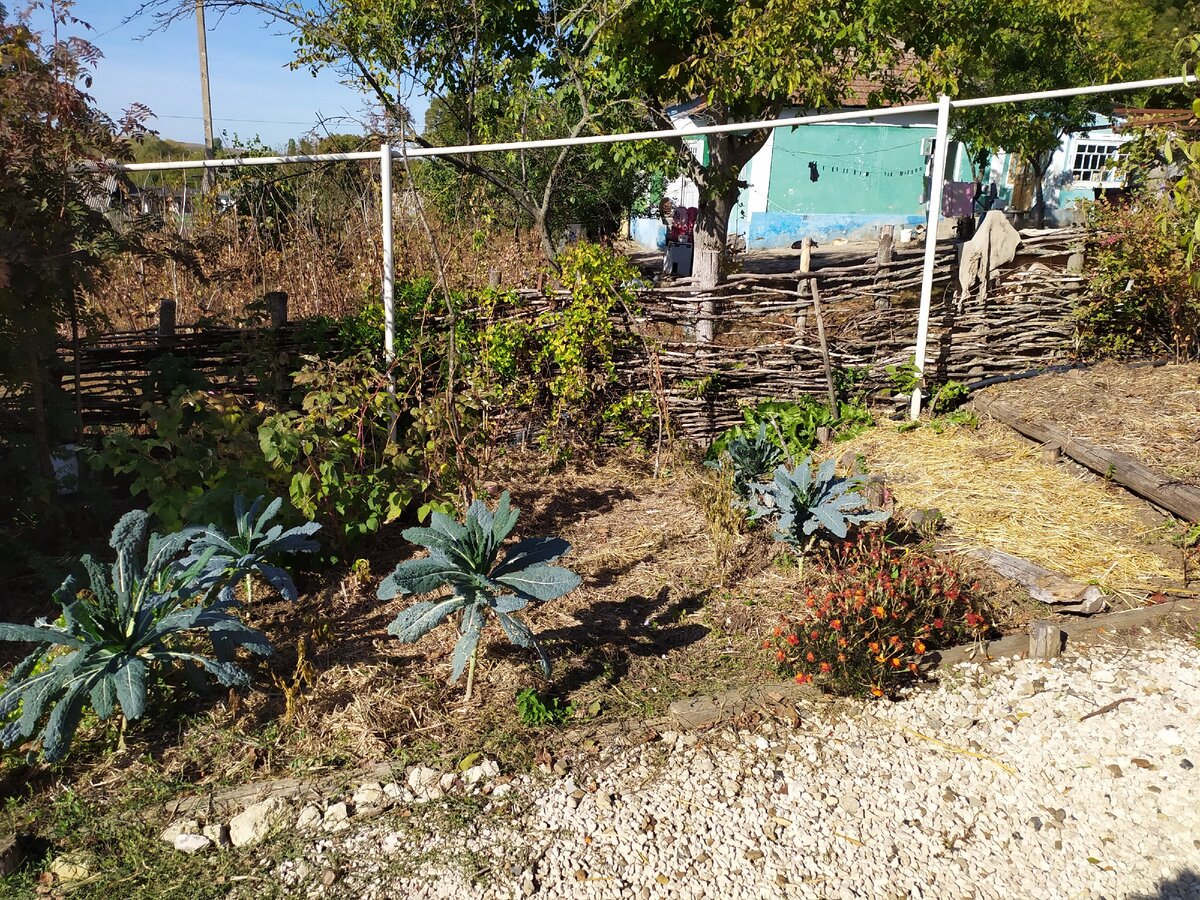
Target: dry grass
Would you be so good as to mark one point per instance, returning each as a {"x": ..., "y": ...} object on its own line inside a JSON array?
[
  {"x": 1151, "y": 413},
  {"x": 995, "y": 491}
]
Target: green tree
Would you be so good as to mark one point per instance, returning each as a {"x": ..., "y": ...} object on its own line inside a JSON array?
[
  {"x": 55, "y": 227},
  {"x": 1041, "y": 47}
]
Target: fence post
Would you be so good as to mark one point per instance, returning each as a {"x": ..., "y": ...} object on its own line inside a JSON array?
[
  {"x": 277, "y": 306},
  {"x": 883, "y": 259},
  {"x": 805, "y": 266},
  {"x": 166, "y": 317},
  {"x": 493, "y": 278},
  {"x": 936, "y": 182}
]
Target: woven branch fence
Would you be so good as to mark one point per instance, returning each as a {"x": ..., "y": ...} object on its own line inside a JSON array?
[{"x": 765, "y": 342}]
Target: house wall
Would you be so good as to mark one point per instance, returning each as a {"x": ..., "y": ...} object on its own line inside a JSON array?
[{"x": 867, "y": 176}]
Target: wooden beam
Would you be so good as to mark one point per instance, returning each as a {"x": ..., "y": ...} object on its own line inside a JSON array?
[{"x": 1177, "y": 497}]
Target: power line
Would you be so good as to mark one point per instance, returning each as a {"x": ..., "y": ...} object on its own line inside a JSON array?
[{"x": 245, "y": 121}]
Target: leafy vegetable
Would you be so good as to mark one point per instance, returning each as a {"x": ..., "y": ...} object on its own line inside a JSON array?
[
  {"x": 254, "y": 543},
  {"x": 802, "y": 502},
  {"x": 750, "y": 458},
  {"x": 138, "y": 614},
  {"x": 462, "y": 556}
]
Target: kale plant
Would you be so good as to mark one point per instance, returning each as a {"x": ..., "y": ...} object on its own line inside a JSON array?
[
  {"x": 146, "y": 611},
  {"x": 462, "y": 556},
  {"x": 248, "y": 550},
  {"x": 802, "y": 501},
  {"x": 751, "y": 458}
]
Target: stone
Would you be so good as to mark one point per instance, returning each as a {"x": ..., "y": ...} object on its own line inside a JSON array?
[
  {"x": 175, "y": 829},
  {"x": 72, "y": 867},
  {"x": 424, "y": 783},
  {"x": 192, "y": 843},
  {"x": 218, "y": 833},
  {"x": 336, "y": 818},
  {"x": 1186, "y": 765},
  {"x": 309, "y": 818},
  {"x": 256, "y": 822},
  {"x": 393, "y": 791},
  {"x": 369, "y": 796}
]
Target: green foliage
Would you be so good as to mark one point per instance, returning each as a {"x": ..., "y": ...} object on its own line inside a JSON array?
[
  {"x": 801, "y": 501},
  {"x": 534, "y": 712},
  {"x": 200, "y": 453},
  {"x": 948, "y": 397},
  {"x": 904, "y": 377},
  {"x": 749, "y": 459},
  {"x": 792, "y": 425},
  {"x": 874, "y": 618},
  {"x": 462, "y": 556},
  {"x": 143, "y": 613},
  {"x": 559, "y": 367},
  {"x": 1141, "y": 295},
  {"x": 338, "y": 459}
]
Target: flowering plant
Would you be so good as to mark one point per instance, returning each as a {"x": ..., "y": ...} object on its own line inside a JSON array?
[{"x": 878, "y": 613}]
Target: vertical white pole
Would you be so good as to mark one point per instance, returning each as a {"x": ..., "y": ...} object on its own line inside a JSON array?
[
  {"x": 389, "y": 268},
  {"x": 936, "y": 180}
]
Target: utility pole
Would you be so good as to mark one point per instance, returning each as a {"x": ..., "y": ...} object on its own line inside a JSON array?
[{"x": 205, "y": 99}]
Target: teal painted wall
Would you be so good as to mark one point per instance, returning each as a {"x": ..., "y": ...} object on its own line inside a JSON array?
[{"x": 863, "y": 169}]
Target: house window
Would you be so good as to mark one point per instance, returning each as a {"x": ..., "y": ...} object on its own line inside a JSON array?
[{"x": 1090, "y": 162}]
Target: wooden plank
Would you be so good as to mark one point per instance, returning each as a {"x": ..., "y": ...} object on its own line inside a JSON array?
[{"x": 1175, "y": 496}]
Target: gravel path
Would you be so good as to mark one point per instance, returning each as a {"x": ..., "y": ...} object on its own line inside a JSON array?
[{"x": 989, "y": 786}]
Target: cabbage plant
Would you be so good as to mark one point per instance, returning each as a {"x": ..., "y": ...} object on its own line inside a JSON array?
[
  {"x": 146, "y": 612},
  {"x": 802, "y": 501},
  {"x": 462, "y": 557}
]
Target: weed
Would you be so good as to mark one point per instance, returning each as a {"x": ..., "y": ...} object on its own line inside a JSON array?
[{"x": 534, "y": 712}]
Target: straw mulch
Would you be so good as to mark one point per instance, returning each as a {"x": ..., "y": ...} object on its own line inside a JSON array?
[
  {"x": 1150, "y": 412},
  {"x": 995, "y": 492}
]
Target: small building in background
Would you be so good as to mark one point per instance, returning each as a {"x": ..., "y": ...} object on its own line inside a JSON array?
[{"x": 849, "y": 179}]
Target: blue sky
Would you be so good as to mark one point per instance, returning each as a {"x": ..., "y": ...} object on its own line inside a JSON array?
[{"x": 253, "y": 91}]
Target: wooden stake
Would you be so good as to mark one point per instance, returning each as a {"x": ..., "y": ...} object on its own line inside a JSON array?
[
  {"x": 1045, "y": 640},
  {"x": 805, "y": 266},
  {"x": 816, "y": 296}
]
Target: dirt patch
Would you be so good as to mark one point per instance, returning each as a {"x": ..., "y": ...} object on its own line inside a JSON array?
[{"x": 1150, "y": 412}]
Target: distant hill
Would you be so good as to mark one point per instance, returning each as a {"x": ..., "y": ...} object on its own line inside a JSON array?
[{"x": 158, "y": 149}]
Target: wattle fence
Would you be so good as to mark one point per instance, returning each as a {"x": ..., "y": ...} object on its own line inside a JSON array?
[{"x": 765, "y": 346}]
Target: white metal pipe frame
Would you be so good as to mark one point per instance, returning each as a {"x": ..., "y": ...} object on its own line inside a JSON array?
[{"x": 942, "y": 108}]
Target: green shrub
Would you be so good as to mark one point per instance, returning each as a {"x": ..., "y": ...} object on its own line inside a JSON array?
[
  {"x": 463, "y": 557},
  {"x": 140, "y": 616},
  {"x": 1141, "y": 296},
  {"x": 877, "y": 614},
  {"x": 792, "y": 425}
]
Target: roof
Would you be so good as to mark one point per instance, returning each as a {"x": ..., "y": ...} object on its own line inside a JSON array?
[{"x": 1142, "y": 117}]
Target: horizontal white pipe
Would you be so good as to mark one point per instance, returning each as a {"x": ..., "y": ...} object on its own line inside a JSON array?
[
  {"x": 237, "y": 161},
  {"x": 591, "y": 140},
  {"x": 1077, "y": 92}
]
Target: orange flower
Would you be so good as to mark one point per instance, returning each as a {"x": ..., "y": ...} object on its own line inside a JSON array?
[
  {"x": 879, "y": 612},
  {"x": 803, "y": 679},
  {"x": 841, "y": 657},
  {"x": 777, "y": 631},
  {"x": 813, "y": 635},
  {"x": 842, "y": 642},
  {"x": 895, "y": 662},
  {"x": 766, "y": 645},
  {"x": 873, "y": 646},
  {"x": 919, "y": 646},
  {"x": 912, "y": 667},
  {"x": 836, "y": 624},
  {"x": 810, "y": 657},
  {"x": 780, "y": 656},
  {"x": 793, "y": 640},
  {"x": 877, "y": 692},
  {"x": 826, "y": 667}
]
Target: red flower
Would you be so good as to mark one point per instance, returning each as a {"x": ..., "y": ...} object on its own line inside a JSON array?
[
  {"x": 779, "y": 656},
  {"x": 836, "y": 624},
  {"x": 939, "y": 623},
  {"x": 803, "y": 679},
  {"x": 793, "y": 640},
  {"x": 813, "y": 635},
  {"x": 810, "y": 657},
  {"x": 826, "y": 667}
]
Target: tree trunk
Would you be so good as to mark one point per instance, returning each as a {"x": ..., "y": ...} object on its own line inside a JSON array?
[{"x": 41, "y": 416}]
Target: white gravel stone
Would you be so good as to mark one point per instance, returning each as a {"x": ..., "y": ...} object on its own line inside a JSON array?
[
  {"x": 191, "y": 843},
  {"x": 256, "y": 822},
  {"x": 986, "y": 786}
]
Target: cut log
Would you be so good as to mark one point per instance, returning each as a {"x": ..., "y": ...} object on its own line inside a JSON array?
[
  {"x": 1045, "y": 586},
  {"x": 1177, "y": 497}
]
